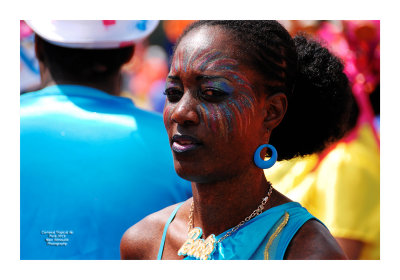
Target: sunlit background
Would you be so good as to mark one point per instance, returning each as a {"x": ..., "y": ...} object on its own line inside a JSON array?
[{"x": 357, "y": 43}]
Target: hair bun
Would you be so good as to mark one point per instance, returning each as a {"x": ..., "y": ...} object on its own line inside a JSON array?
[{"x": 321, "y": 105}]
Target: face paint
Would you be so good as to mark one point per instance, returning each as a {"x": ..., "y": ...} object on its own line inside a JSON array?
[
  {"x": 206, "y": 60},
  {"x": 231, "y": 113},
  {"x": 238, "y": 113},
  {"x": 213, "y": 114},
  {"x": 219, "y": 84},
  {"x": 202, "y": 60},
  {"x": 204, "y": 112}
]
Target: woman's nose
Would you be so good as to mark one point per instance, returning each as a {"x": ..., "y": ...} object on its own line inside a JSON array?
[{"x": 185, "y": 112}]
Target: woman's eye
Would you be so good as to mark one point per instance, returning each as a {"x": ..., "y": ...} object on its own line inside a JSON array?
[
  {"x": 173, "y": 94},
  {"x": 213, "y": 94}
]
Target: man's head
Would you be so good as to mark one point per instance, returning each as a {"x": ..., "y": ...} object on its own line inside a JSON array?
[
  {"x": 80, "y": 65},
  {"x": 87, "y": 52}
]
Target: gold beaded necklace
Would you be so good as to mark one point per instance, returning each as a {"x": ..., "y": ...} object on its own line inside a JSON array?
[{"x": 202, "y": 249}]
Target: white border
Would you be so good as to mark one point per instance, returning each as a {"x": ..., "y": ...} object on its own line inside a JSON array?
[{"x": 206, "y": 9}]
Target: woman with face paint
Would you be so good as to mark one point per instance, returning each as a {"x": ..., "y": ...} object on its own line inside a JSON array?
[{"x": 233, "y": 88}]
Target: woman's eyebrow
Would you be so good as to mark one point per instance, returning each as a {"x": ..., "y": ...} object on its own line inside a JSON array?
[
  {"x": 174, "y": 78},
  {"x": 211, "y": 77}
]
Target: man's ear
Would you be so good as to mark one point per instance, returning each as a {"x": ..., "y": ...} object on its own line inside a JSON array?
[
  {"x": 39, "y": 48},
  {"x": 276, "y": 107},
  {"x": 43, "y": 70},
  {"x": 131, "y": 54}
]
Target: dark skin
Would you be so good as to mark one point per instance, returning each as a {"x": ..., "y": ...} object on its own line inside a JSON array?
[
  {"x": 111, "y": 84},
  {"x": 351, "y": 247},
  {"x": 202, "y": 102}
]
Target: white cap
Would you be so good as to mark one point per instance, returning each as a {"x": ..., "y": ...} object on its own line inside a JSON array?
[{"x": 93, "y": 34}]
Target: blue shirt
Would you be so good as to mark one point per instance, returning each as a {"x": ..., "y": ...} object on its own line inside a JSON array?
[
  {"x": 91, "y": 165},
  {"x": 265, "y": 237}
]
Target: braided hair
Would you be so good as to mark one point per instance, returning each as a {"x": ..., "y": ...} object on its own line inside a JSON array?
[{"x": 321, "y": 107}]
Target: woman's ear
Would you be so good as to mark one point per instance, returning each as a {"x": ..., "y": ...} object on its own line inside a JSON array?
[{"x": 276, "y": 107}]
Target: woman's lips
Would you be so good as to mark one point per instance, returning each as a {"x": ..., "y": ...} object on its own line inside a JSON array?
[{"x": 184, "y": 143}]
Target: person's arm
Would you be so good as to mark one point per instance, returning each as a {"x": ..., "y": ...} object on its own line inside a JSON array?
[
  {"x": 135, "y": 243},
  {"x": 142, "y": 240},
  {"x": 351, "y": 247},
  {"x": 314, "y": 242}
]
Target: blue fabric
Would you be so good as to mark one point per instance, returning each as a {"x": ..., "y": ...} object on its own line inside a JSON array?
[
  {"x": 171, "y": 217},
  {"x": 249, "y": 242},
  {"x": 91, "y": 165}
]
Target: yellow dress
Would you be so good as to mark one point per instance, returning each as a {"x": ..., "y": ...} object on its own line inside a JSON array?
[{"x": 342, "y": 189}]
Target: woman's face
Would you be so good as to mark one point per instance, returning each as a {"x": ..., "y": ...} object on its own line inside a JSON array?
[{"x": 213, "y": 115}]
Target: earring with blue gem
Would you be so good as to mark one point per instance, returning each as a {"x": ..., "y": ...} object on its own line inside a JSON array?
[{"x": 262, "y": 163}]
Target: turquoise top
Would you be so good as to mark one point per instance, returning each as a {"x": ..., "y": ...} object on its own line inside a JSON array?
[
  {"x": 266, "y": 236},
  {"x": 91, "y": 166}
]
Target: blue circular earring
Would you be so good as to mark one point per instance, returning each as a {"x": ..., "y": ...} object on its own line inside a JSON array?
[{"x": 265, "y": 164}]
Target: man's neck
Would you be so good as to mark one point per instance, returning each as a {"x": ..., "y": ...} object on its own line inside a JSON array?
[{"x": 110, "y": 85}]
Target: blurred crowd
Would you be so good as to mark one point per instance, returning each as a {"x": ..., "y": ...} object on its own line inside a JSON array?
[
  {"x": 341, "y": 185},
  {"x": 143, "y": 77},
  {"x": 357, "y": 43}
]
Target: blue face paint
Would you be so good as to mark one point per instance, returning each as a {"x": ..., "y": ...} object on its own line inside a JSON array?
[
  {"x": 225, "y": 96},
  {"x": 219, "y": 84},
  {"x": 207, "y": 59},
  {"x": 229, "y": 116},
  {"x": 205, "y": 113}
]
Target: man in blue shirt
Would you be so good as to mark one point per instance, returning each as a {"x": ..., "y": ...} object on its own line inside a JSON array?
[{"x": 92, "y": 164}]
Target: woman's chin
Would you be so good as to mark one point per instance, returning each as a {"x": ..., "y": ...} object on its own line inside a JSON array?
[
  {"x": 192, "y": 174},
  {"x": 201, "y": 175}
]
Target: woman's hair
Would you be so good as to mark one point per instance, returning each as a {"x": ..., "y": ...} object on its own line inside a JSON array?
[
  {"x": 321, "y": 107},
  {"x": 82, "y": 64}
]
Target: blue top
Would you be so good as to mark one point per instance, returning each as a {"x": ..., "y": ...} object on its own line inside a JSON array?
[
  {"x": 91, "y": 165},
  {"x": 266, "y": 236},
  {"x": 171, "y": 217}
]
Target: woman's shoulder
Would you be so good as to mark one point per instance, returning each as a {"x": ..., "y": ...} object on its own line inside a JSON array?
[
  {"x": 142, "y": 240},
  {"x": 313, "y": 241}
]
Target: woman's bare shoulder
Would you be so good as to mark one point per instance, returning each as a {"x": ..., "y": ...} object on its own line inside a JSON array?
[
  {"x": 142, "y": 240},
  {"x": 313, "y": 241}
]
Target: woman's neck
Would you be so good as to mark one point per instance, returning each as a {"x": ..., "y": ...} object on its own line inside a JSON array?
[{"x": 222, "y": 205}]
